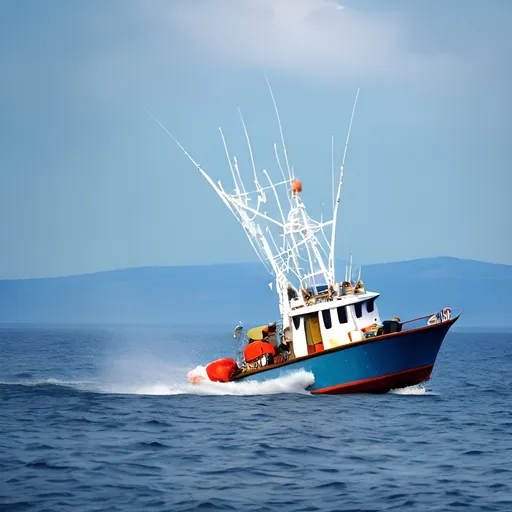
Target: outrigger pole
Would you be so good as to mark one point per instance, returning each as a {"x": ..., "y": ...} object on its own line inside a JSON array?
[{"x": 338, "y": 195}]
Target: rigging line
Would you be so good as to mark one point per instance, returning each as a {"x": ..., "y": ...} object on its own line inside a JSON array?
[
  {"x": 280, "y": 127},
  {"x": 332, "y": 170},
  {"x": 263, "y": 188},
  {"x": 274, "y": 242},
  {"x": 250, "y": 148},
  {"x": 253, "y": 239},
  {"x": 273, "y": 187},
  {"x": 275, "y": 195},
  {"x": 252, "y": 210},
  {"x": 174, "y": 139},
  {"x": 235, "y": 161},
  {"x": 288, "y": 189},
  {"x": 296, "y": 245},
  {"x": 237, "y": 190}
]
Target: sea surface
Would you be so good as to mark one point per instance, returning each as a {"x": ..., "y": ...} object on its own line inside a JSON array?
[{"x": 103, "y": 419}]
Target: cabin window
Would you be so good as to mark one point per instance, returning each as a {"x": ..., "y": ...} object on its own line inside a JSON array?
[
  {"x": 342, "y": 314},
  {"x": 370, "y": 305},
  {"x": 296, "y": 322},
  {"x": 358, "y": 308},
  {"x": 326, "y": 315}
]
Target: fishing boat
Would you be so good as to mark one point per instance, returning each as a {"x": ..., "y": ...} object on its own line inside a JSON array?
[{"x": 328, "y": 327}]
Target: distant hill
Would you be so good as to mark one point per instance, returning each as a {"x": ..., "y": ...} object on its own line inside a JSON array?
[{"x": 223, "y": 294}]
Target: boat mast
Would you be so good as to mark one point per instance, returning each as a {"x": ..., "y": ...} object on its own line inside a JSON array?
[{"x": 338, "y": 195}]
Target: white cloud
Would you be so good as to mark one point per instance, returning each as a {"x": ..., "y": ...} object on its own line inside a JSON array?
[
  {"x": 318, "y": 36},
  {"x": 153, "y": 46}
]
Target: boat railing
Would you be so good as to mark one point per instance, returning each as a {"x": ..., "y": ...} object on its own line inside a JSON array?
[
  {"x": 441, "y": 316},
  {"x": 327, "y": 294},
  {"x": 421, "y": 321}
]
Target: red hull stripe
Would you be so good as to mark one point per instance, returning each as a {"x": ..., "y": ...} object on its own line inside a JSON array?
[{"x": 384, "y": 382}]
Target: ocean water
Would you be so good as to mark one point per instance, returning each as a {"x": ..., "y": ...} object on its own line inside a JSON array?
[{"x": 105, "y": 420}]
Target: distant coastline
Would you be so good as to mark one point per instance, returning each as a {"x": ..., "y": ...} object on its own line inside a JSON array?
[
  {"x": 224, "y": 294},
  {"x": 340, "y": 263}
]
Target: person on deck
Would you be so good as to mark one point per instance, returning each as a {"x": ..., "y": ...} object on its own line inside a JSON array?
[{"x": 269, "y": 334}]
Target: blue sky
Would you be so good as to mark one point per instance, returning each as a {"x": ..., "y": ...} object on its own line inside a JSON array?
[{"x": 88, "y": 181}]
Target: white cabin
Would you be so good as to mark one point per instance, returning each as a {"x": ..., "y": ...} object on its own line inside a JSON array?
[{"x": 329, "y": 324}]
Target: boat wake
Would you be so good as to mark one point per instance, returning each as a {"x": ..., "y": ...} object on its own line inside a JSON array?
[
  {"x": 199, "y": 384},
  {"x": 293, "y": 383},
  {"x": 418, "y": 390},
  {"x": 296, "y": 382}
]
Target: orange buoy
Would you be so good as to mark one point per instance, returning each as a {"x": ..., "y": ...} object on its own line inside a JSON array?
[
  {"x": 296, "y": 187},
  {"x": 256, "y": 349},
  {"x": 222, "y": 370}
]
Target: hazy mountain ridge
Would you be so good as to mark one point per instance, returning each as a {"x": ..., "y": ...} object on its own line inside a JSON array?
[{"x": 228, "y": 293}]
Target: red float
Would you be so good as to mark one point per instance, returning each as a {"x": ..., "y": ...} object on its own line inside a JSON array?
[
  {"x": 222, "y": 370},
  {"x": 256, "y": 349}
]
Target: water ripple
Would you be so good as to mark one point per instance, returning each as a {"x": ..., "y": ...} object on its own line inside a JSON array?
[{"x": 68, "y": 444}]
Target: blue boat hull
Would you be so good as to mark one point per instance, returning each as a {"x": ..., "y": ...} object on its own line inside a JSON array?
[{"x": 375, "y": 365}]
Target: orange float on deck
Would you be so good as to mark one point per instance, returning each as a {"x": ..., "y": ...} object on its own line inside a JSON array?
[
  {"x": 369, "y": 328},
  {"x": 257, "y": 349},
  {"x": 222, "y": 370}
]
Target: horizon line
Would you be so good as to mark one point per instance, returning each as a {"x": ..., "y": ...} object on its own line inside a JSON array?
[{"x": 224, "y": 264}]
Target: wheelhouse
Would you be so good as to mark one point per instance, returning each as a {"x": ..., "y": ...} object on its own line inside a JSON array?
[{"x": 325, "y": 325}]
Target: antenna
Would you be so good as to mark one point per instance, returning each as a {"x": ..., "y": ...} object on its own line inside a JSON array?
[
  {"x": 282, "y": 173},
  {"x": 237, "y": 190},
  {"x": 250, "y": 148},
  {"x": 280, "y": 128},
  {"x": 337, "y": 203},
  {"x": 332, "y": 170},
  {"x": 238, "y": 173}
]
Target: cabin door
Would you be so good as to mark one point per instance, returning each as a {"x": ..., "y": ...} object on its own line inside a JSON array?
[{"x": 313, "y": 333}]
